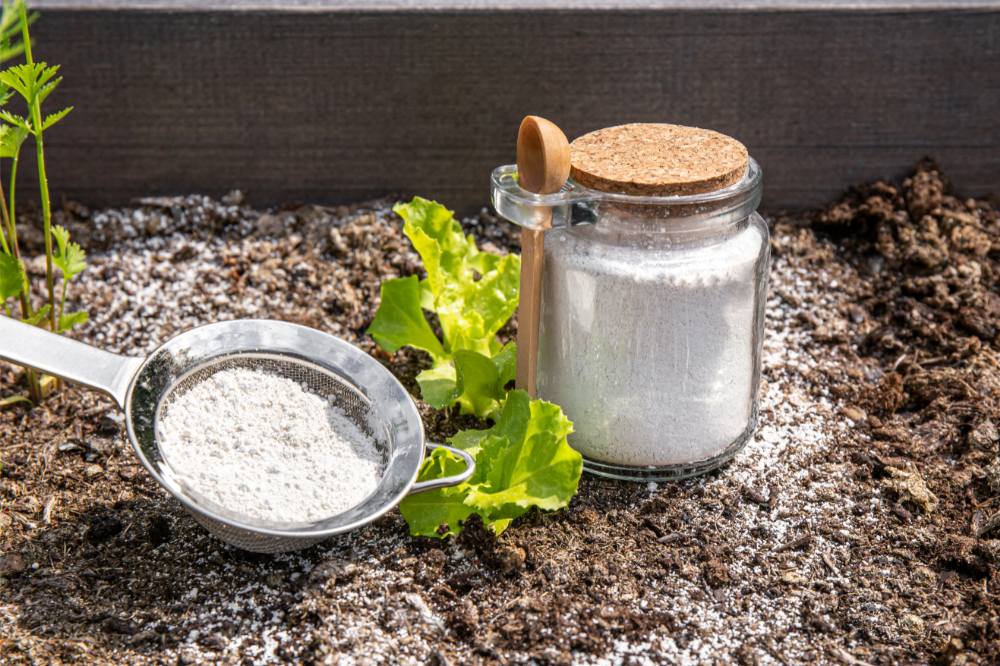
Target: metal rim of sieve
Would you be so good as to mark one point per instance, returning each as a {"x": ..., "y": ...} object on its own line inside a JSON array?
[{"x": 212, "y": 344}]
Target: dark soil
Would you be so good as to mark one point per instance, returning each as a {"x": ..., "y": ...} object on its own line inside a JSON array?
[{"x": 862, "y": 525}]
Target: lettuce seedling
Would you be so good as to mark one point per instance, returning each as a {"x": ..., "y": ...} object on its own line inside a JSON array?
[
  {"x": 524, "y": 460},
  {"x": 473, "y": 294}
]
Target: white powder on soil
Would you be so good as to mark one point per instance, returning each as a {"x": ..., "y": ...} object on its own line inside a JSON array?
[
  {"x": 263, "y": 446},
  {"x": 256, "y": 619}
]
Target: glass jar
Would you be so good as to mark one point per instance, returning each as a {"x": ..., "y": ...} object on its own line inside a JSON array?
[{"x": 651, "y": 323}]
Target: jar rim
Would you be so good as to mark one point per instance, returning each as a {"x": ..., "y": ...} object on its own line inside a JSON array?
[{"x": 541, "y": 211}]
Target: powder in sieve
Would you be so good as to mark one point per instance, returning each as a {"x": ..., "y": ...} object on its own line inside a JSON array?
[{"x": 263, "y": 446}]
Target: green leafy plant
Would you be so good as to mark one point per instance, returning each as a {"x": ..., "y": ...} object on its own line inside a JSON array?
[
  {"x": 71, "y": 260},
  {"x": 32, "y": 82},
  {"x": 472, "y": 293},
  {"x": 524, "y": 459}
]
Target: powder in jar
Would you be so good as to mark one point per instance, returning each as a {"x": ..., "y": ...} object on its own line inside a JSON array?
[
  {"x": 263, "y": 446},
  {"x": 651, "y": 351}
]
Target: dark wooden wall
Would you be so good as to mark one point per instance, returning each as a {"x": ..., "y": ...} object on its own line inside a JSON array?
[{"x": 328, "y": 106}]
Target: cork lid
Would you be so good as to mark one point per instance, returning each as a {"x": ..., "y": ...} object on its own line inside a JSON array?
[{"x": 657, "y": 160}]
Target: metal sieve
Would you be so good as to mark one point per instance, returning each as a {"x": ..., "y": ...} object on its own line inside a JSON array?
[{"x": 346, "y": 376}]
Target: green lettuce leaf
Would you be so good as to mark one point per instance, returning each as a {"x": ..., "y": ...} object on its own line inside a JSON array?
[
  {"x": 505, "y": 362},
  {"x": 438, "y": 239},
  {"x": 538, "y": 469},
  {"x": 495, "y": 295},
  {"x": 477, "y": 383},
  {"x": 438, "y": 513},
  {"x": 439, "y": 385},
  {"x": 523, "y": 461},
  {"x": 473, "y": 293},
  {"x": 482, "y": 381},
  {"x": 400, "y": 322}
]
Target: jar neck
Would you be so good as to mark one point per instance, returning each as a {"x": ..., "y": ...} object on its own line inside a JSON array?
[
  {"x": 697, "y": 219},
  {"x": 695, "y": 216}
]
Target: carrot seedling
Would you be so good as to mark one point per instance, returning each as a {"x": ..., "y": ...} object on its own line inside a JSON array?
[{"x": 32, "y": 82}]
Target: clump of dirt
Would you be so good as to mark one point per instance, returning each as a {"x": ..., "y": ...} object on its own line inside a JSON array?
[
  {"x": 924, "y": 317},
  {"x": 930, "y": 298},
  {"x": 928, "y": 312},
  {"x": 860, "y": 525}
]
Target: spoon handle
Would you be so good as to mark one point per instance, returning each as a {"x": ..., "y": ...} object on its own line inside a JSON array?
[{"x": 529, "y": 310}]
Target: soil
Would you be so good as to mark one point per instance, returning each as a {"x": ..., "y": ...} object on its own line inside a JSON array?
[{"x": 860, "y": 525}]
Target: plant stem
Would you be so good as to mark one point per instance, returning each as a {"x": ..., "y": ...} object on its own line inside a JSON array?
[
  {"x": 6, "y": 216},
  {"x": 34, "y": 381},
  {"x": 43, "y": 181},
  {"x": 6, "y": 221},
  {"x": 9, "y": 219},
  {"x": 34, "y": 386},
  {"x": 13, "y": 182},
  {"x": 43, "y": 184},
  {"x": 62, "y": 300},
  {"x": 3, "y": 230}
]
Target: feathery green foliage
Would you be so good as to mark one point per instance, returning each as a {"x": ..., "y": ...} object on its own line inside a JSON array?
[{"x": 31, "y": 83}]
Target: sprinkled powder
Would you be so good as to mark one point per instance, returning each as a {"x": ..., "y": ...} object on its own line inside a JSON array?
[{"x": 263, "y": 446}]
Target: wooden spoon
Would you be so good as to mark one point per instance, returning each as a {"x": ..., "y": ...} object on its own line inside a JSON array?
[{"x": 543, "y": 163}]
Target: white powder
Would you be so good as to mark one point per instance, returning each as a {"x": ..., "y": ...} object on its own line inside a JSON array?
[
  {"x": 263, "y": 446},
  {"x": 650, "y": 350}
]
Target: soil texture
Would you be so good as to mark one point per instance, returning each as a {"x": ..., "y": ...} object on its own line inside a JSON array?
[{"x": 860, "y": 525}]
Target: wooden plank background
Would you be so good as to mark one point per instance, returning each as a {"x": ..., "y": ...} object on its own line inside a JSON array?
[{"x": 330, "y": 105}]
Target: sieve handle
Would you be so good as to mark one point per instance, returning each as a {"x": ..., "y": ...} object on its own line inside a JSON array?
[
  {"x": 434, "y": 484},
  {"x": 73, "y": 361}
]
